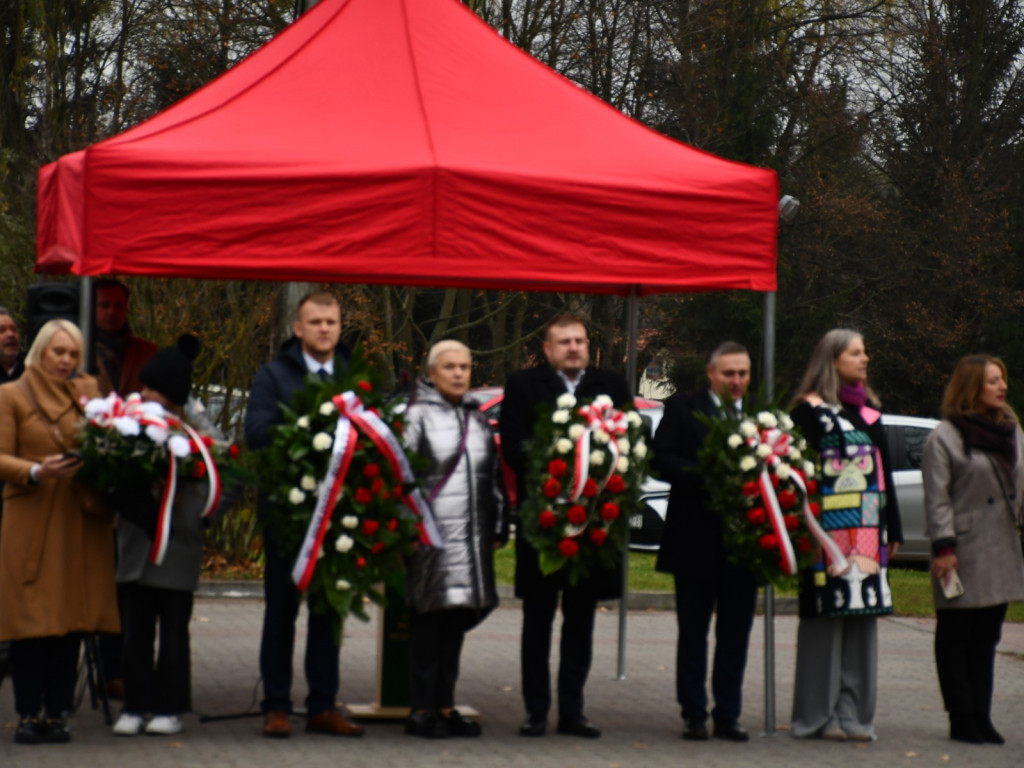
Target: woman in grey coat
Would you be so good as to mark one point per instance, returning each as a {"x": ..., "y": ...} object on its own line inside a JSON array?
[
  {"x": 450, "y": 589},
  {"x": 973, "y": 470}
]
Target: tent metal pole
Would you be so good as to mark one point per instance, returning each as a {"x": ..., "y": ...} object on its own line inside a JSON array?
[
  {"x": 87, "y": 323},
  {"x": 632, "y": 325},
  {"x": 769, "y": 590}
]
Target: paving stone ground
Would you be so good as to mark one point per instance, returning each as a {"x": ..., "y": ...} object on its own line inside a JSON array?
[{"x": 638, "y": 714}]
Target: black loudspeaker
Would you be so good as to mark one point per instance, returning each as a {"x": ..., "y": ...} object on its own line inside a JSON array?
[{"x": 49, "y": 301}]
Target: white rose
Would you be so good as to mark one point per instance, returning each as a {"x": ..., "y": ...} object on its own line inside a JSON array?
[
  {"x": 349, "y": 521},
  {"x": 344, "y": 543},
  {"x": 179, "y": 446},
  {"x": 127, "y": 427},
  {"x": 308, "y": 483},
  {"x": 96, "y": 407},
  {"x": 785, "y": 422},
  {"x": 794, "y": 455},
  {"x": 801, "y": 444},
  {"x": 763, "y": 451},
  {"x": 603, "y": 401},
  {"x": 734, "y": 441},
  {"x": 782, "y": 471},
  {"x": 597, "y": 458},
  {"x": 640, "y": 449},
  {"x": 748, "y": 428},
  {"x": 302, "y": 422},
  {"x": 322, "y": 441},
  {"x": 634, "y": 418},
  {"x": 623, "y": 444},
  {"x": 601, "y": 437},
  {"x": 326, "y": 409},
  {"x": 563, "y": 445},
  {"x": 747, "y": 463},
  {"x": 575, "y": 431},
  {"x": 561, "y": 416},
  {"x": 622, "y": 465},
  {"x": 767, "y": 419},
  {"x": 157, "y": 434},
  {"x": 566, "y": 401},
  {"x": 342, "y": 585},
  {"x": 809, "y": 468},
  {"x": 296, "y": 497}
]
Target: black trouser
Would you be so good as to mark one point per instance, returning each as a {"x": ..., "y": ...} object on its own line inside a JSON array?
[
  {"x": 167, "y": 688},
  {"x": 435, "y": 645},
  {"x": 965, "y": 656},
  {"x": 43, "y": 670},
  {"x": 576, "y": 651}
]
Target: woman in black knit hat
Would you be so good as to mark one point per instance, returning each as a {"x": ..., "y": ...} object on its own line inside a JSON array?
[{"x": 160, "y": 595}]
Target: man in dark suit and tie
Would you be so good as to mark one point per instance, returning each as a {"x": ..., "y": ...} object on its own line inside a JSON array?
[
  {"x": 567, "y": 353},
  {"x": 692, "y": 550}
]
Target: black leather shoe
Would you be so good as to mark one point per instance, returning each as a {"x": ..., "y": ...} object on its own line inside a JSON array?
[
  {"x": 578, "y": 725},
  {"x": 695, "y": 730},
  {"x": 731, "y": 732},
  {"x": 534, "y": 725},
  {"x": 426, "y": 725},
  {"x": 460, "y": 726}
]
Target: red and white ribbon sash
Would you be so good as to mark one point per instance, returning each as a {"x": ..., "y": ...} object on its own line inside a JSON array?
[
  {"x": 603, "y": 416},
  {"x": 353, "y": 417},
  {"x": 163, "y": 520},
  {"x": 214, "y": 488},
  {"x": 779, "y": 442}
]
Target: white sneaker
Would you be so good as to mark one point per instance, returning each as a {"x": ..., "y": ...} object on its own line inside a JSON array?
[
  {"x": 128, "y": 724},
  {"x": 164, "y": 725}
]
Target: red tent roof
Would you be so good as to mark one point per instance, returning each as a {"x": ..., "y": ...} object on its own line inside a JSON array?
[{"x": 405, "y": 142}]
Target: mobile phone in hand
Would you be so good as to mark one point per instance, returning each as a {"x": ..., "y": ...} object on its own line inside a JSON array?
[
  {"x": 76, "y": 455},
  {"x": 952, "y": 587}
]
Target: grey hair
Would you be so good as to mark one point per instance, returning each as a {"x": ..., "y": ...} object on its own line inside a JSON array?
[
  {"x": 821, "y": 377},
  {"x": 727, "y": 348},
  {"x": 446, "y": 345},
  {"x": 45, "y": 336},
  {"x": 5, "y": 311}
]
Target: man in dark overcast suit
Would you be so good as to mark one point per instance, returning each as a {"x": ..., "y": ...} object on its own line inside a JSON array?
[
  {"x": 567, "y": 353},
  {"x": 693, "y": 551}
]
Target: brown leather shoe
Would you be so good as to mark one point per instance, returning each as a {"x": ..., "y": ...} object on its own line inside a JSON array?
[
  {"x": 276, "y": 725},
  {"x": 333, "y": 724}
]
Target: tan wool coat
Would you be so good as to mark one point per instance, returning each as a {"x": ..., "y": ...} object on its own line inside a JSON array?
[
  {"x": 965, "y": 501},
  {"x": 57, "y": 538}
]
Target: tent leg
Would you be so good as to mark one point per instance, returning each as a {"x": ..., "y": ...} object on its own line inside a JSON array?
[
  {"x": 769, "y": 591},
  {"x": 632, "y": 324}
]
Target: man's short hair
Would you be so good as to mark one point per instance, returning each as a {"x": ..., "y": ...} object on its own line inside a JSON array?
[
  {"x": 5, "y": 311},
  {"x": 109, "y": 282},
  {"x": 320, "y": 297},
  {"x": 727, "y": 348},
  {"x": 563, "y": 320},
  {"x": 446, "y": 345}
]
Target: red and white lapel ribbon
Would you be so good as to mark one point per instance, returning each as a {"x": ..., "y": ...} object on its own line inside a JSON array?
[
  {"x": 779, "y": 442},
  {"x": 163, "y": 520},
  {"x": 601, "y": 415},
  {"x": 353, "y": 418}
]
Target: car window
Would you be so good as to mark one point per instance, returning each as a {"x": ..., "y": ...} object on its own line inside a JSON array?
[{"x": 913, "y": 445}]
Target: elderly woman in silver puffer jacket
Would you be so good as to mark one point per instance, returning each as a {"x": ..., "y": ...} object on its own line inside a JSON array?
[{"x": 450, "y": 589}]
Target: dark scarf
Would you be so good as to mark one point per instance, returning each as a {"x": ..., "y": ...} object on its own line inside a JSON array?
[
  {"x": 993, "y": 437},
  {"x": 853, "y": 395}
]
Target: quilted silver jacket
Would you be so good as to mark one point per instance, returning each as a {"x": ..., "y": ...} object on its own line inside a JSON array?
[{"x": 470, "y": 506}]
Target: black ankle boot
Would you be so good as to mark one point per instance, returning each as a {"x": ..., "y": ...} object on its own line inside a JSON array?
[
  {"x": 988, "y": 731},
  {"x": 964, "y": 728}
]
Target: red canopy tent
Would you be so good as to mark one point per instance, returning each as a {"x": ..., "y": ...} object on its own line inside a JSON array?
[{"x": 405, "y": 142}]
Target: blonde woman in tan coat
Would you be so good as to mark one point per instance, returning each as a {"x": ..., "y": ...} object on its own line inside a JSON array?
[
  {"x": 56, "y": 544},
  {"x": 973, "y": 470}
]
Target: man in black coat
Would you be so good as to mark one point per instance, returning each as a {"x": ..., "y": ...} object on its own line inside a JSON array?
[
  {"x": 314, "y": 348},
  {"x": 566, "y": 347},
  {"x": 692, "y": 550}
]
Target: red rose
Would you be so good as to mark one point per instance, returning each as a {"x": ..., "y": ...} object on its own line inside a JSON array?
[
  {"x": 376, "y": 485},
  {"x": 365, "y": 386},
  {"x": 363, "y": 496},
  {"x": 193, "y": 446},
  {"x": 616, "y": 484},
  {"x": 750, "y": 488},
  {"x": 547, "y": 519},
  {"x": 792, "y": 522},
  {"x": 815, "y": 508},
  {"x": 568, "y": 548},
  {"x": 775, "y": 480},
  {"x": 787, "y": 499},
  {"x": 397, "y": 426},
  {"x": 393, "y": 524},
  {"x": 370, "y": 527},
  {"x": 598, "y": 536},
  {"x": 207, "y": 441},
  {"x": 552, "y": 488},
  {"x": 577, "y": 514},
  {"x": 233, "y": 451},
  {"x": 812, "y": 487},
  {"x": 397, "y": 492},
  {"x": 557, "y": 468},
  {"x": 371, "y": 470},
  {"x": 768, "y": 541},
  {"x": 199, "y": 469},
  {"x": 377, "y": 548},
  {"x": 609, "y": 511},
  {"x": 360, "y": 562},
  {"x": 803, "y": 544},
  {"x": 756, "y": 516},
  {"x": 590, "y": 488}
]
